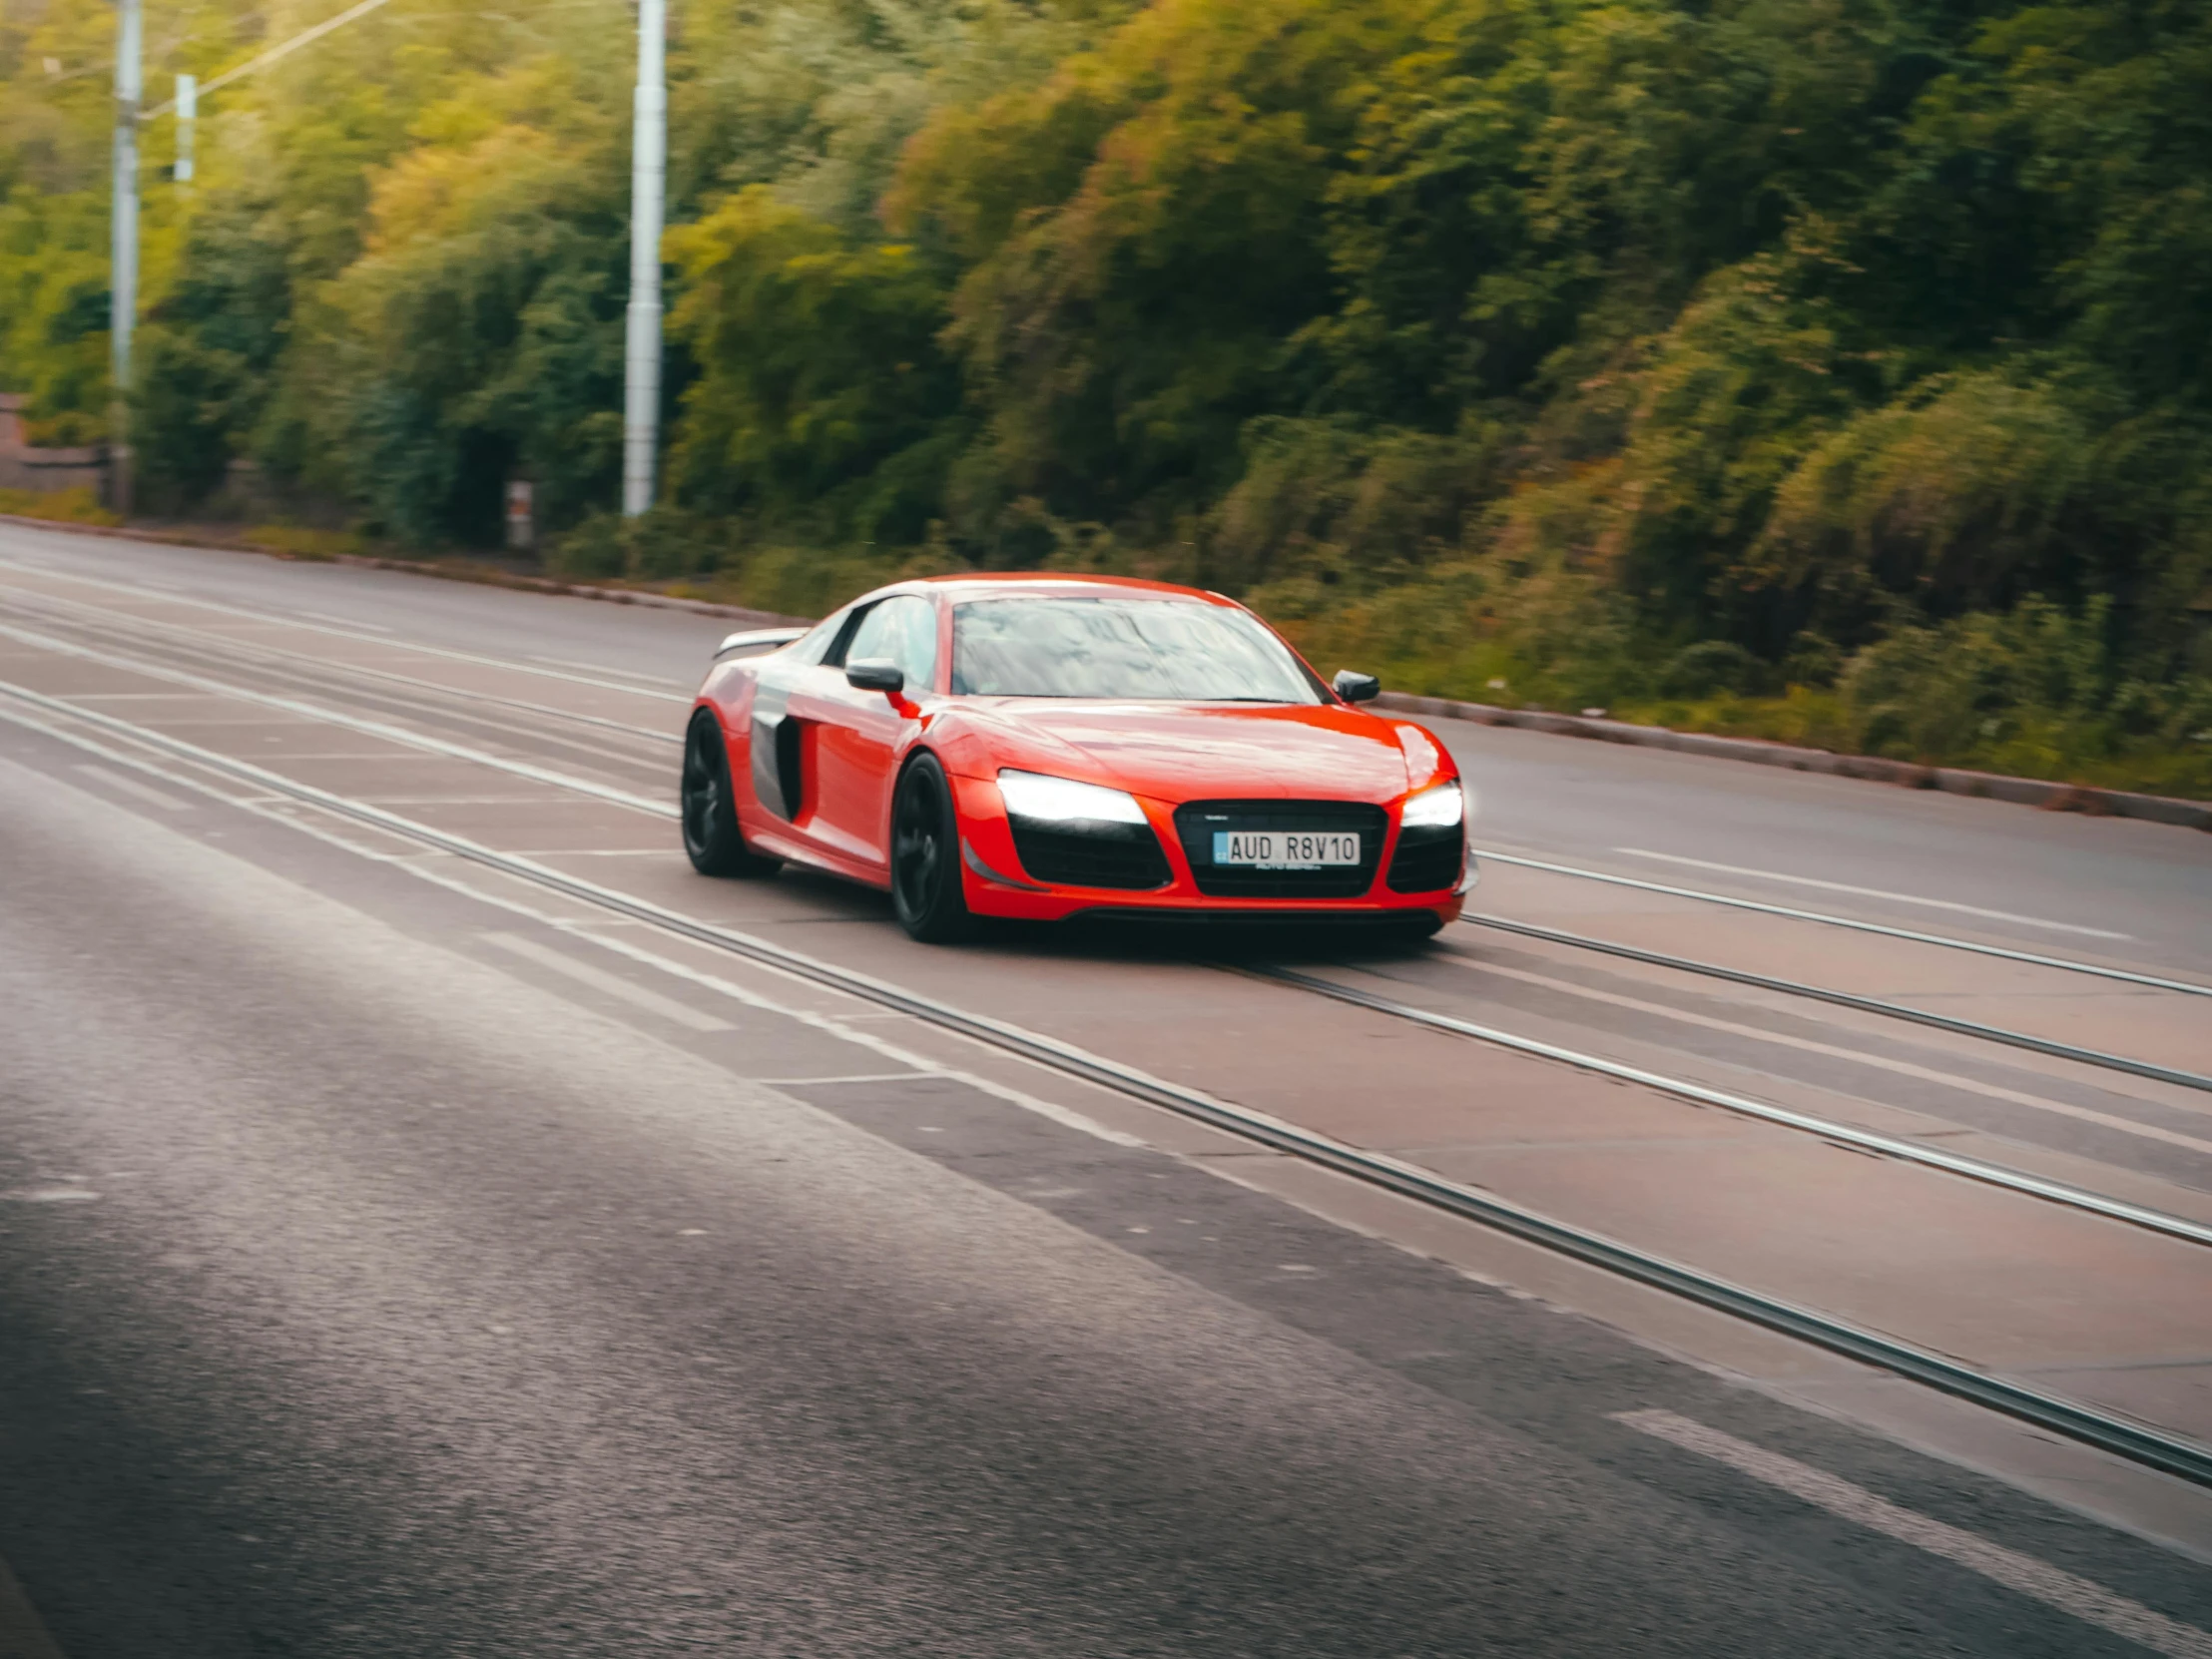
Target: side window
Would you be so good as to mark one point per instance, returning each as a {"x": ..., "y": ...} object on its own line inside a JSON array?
[
  {"x": 904, "y": 629},
  {"x": 819, "y": 646}
]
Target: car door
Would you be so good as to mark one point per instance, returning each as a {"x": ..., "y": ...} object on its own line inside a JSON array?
[
  {"x": 780, "y": 742},
  {"x": 860, "y": 734}
]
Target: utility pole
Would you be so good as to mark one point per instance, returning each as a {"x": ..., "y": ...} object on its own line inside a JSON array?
[
  {"x": 123, "y": 252},
  {"x": 641, "y": 378},
  {"x": 188, "y": 112}
]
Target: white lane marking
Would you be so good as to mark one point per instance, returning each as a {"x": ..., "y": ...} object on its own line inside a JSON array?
[
  {"x": 1975, "y": 1169},
  {"x": 455, "y": 800},
  {"x": 860, "y": 1077},
  {"x": 2013, "y": 1180},
  {"x": 266, "y": 656},
  {"x": 278, "y": 808},
  {"x": 1066, "y": 1116},
  {"x": 114, "y": 756},
  {"x": 646, "y": 682},
  {"x": 596, "y": 933},
  {"x": 346, "y": 621},
  {"x": 594, "y": 852},
  {"x": 132, "y": 787},
  {"x": 347, "y": 633},
  {"x": 594, "y": 930},
  {"x": 2023, "y": 1574},
  {"x": 1908, "y": 1150},
  {"x": 249, "y": 648},
  {"x": 1973, "y": 946},
  {"x": 289, "y": 812},
  {"x": 368, "y": 727},
  {"x": 611, "y": 984},
  {"x": 1883, "y": 1062},
  {"x": 1047, "y": 1109},
  {"x": 1872, "y": 892}
]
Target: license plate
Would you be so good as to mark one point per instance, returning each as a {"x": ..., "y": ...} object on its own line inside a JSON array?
[{"x": 1284, "y": 849}]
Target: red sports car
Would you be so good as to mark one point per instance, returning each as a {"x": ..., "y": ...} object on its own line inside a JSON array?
[{"x": 1045, "y": 746}]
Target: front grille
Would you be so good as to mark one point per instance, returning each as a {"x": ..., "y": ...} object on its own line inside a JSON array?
[
  {"x": 1196, "y": 821},
  {"x": 1429, "y": 861},
  {"x": 1123, "y": 855}
]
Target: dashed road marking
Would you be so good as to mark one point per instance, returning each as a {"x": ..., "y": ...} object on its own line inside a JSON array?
[
  {"x": 613, "y": 986},
  {"x": 2023, "y": 1574},
  {"x": 1872, "y": 892},
  {"x": 1881, "y": 1062},
  {"x": 858, "y": 1077}
]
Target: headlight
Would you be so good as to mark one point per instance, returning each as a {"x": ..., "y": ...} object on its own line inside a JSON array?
[
  {"x": 1032, "y": 795},
  {"x": 1438, "y": 808}
]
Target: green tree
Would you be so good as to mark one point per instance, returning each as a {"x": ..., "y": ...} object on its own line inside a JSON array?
[{"x": 823, "y": 396}]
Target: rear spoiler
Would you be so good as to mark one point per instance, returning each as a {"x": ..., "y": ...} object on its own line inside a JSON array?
[{"x": 755, "y": 641}]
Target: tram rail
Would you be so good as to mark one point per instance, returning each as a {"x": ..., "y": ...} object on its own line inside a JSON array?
[{"x": 2110, "y": 1431}]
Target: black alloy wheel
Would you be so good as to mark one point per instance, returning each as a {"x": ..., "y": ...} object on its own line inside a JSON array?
[
  {"x": 711, "y": 834},
  {"x": 925, "y": 857}
]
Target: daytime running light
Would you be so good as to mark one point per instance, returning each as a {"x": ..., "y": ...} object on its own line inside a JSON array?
[
  {"x": 1436, "y": 809},
  {"x": 1032, "y": 795}
]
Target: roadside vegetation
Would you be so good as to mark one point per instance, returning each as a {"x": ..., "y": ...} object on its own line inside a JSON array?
[{"x": 1835, "y": 371}]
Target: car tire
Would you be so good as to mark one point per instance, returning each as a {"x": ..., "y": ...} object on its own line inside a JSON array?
[
  {"x": 926, "y": 889},
  {"x": 712, "y": 838}
]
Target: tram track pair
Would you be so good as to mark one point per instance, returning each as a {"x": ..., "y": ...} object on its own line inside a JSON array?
[
  {"x": 408, "y": 694},
  {"x": 1849, "y": 1000},
  {"x": 547, "y": 670},
  {"x": 2087, "y": 1424},
  {"x": 398, "y": 734},
  {"x": 1852, "y": 924}
]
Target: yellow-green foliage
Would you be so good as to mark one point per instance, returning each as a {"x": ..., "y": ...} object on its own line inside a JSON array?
[
  {"x": 70, "y": 506},
  {"x": 1653, "y": 354}
]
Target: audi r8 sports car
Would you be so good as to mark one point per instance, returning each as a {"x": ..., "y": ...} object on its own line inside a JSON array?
[{"x": 1047, "y": 747}]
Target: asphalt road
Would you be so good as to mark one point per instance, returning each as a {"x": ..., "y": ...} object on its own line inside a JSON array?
[
  {"x": 1552, "y": 797},
  {"x": 373, "y": 1283}
]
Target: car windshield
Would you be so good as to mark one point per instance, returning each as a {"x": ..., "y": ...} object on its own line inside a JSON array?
[{"x": 1156, "y": 648}]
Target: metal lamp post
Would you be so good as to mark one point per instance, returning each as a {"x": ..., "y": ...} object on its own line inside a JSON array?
[
  {"x": 123, "y": 252},
  {"x": 641, "y": 380}
]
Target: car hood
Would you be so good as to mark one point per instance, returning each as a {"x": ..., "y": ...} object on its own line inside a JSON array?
[{"x": 1195, "y": 752}]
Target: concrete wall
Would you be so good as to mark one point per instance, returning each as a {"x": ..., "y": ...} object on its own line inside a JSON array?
[{"x": 44, "y": 470}]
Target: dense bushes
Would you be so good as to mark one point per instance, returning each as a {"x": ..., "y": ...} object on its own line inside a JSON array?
[{"x": 1829, "y": 367}]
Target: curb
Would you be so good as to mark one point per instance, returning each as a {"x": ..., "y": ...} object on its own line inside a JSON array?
[{"x": 1991, "y": 785}]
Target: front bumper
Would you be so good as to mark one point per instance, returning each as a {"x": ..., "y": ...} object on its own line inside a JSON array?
[{"x": 997, "y": 883}]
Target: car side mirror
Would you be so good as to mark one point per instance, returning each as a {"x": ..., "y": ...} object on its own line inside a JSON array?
[
  {"x": 1355, "y": 688},
  {"x": 878, "y": 673}
]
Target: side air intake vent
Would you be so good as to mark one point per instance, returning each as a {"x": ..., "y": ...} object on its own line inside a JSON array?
[
  {"x": 1429, "y": 860},
  {"x": 1126, "y": 856}
]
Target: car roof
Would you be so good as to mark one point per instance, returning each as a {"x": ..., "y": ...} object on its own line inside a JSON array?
[{"x": 1041, "y": 583}]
